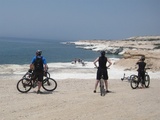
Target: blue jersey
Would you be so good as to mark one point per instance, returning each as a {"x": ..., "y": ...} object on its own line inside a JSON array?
[{"x": 43, "y": 59}]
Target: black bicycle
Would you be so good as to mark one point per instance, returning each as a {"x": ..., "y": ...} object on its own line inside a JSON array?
[
  {"x": 27, "y": 82},
  {"x": 135, "y": 81}
]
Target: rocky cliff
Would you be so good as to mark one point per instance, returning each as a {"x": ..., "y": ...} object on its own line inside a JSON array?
[{"x": 131, "y": 49}]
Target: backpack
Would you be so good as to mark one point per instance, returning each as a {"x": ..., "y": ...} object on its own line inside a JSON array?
[{"x": 38, "y": 64}]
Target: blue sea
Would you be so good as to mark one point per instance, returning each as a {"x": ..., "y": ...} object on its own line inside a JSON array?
[{"x": 21, "y": 51}]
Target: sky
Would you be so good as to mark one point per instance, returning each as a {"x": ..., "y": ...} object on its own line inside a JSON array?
[{"x": 79, "y": 19}]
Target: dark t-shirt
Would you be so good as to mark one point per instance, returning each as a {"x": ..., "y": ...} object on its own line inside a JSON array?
[
  {"x": 102, "y": 62},
  {"x": 141, "y": 66}
]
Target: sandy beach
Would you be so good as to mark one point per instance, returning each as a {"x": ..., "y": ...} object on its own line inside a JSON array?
[
  {"x": 74, "y": 98},
  {"x": 71, "y": 40}
]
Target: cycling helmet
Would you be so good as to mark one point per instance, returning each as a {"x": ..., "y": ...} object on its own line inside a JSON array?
[
  {"x": 143, "y": 58},
  {"x": 103, "y": 53},
  {"x": 38, "y": 52}
]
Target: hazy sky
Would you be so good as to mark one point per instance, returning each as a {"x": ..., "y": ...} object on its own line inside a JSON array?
[{"x": 79, "y": 19}]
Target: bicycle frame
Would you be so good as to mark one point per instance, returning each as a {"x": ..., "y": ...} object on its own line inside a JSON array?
[{"x": 35, "y": 81}]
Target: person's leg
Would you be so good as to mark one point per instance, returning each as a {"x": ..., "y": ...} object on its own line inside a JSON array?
[
  {"x": 139, "y": 76},
  {"x": 39, "y": 85},
  {"x": 97, "y": 81},
  {"x": 40, "y": 79},
  {"x": 106, "y": 84},
  {"x": 106, "y": 79},
  {"x": 96, "y": 84},
  {"x": 143, "y": 79}
]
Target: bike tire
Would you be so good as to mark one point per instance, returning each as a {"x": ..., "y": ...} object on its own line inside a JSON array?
[
  {"x": 134, "y": 82},
  {"x": 131, "y": 76},
  {"x": 49, "y": 84},
  {"x": 24, "y": 85},
  {"x": 147, "y": 81},
  {"x": 102, "y": 90}
]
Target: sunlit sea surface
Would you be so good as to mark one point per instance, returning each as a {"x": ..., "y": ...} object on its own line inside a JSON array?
[{"x": 20, "y": 51}]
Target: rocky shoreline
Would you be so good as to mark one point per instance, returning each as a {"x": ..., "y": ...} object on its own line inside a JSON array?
[{"x": 131, "y": 48}]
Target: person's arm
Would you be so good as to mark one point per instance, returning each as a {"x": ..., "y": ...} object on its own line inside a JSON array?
[
  {"x": 45, "y": 64},
  {"x": 96, "y": 60},
  {"x": 110, "y": 63},
  {"x": 139, "y": 60},
  {"x": 32, "y": 64},
  {"x": 45, "y": 67}
]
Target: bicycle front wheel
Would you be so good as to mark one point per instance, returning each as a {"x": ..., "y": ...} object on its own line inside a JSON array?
[
  {"x": 134, "y": 82},
  {"x": 49, "y": 84},
  {"x": 47, "y": 74},
  {"x": 24, "y": 85},
  {"x": 147, "y": 81},
  {"x": 102, "y": 90}
]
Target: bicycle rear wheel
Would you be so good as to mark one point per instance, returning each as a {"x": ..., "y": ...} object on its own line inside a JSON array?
[
  {"x": 134, "y": 82},
  {"x": 24, "y": 85},
  {"x": 49, "y": 84},
  {"x": 130, "y": 78},
  {"x": 147, "y": 81}
]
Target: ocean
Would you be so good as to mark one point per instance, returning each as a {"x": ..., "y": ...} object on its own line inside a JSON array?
[{"x": 21, "y": 51}]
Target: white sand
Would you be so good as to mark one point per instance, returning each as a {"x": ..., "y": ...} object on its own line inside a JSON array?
[{"x": 74, "y": 98}]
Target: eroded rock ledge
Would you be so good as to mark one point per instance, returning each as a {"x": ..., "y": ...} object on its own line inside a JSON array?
[{"x": 131, "y": 49}]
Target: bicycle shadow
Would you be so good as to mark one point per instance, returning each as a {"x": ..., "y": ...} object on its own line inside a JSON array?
[
  {"x": 44, "y": 92},
  {"x": 107, "y": 92}
]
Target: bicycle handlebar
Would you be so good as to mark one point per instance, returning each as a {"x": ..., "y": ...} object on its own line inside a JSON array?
[
  {"x": 102, "y": 68},
  {"x": 147, "y": 68}
]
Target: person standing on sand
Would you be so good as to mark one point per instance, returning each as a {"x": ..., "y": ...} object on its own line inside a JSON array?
[
  {"x": 141, "y": 70},
  {"x": 102, "y": 69},
  {"x": 40, "y": 66}
]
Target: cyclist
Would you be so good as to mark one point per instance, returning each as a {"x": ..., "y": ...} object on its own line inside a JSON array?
[
  {"x": 102, "y": 69},
  {"x": 40, "y": 65},
  {"x": 141, "y": 70}
]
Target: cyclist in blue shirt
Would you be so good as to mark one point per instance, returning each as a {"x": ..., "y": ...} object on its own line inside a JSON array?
[{"x": 39, "y": 66}]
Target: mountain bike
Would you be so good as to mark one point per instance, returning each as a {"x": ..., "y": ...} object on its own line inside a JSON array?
[
  {"x": 27, "y": 82},
  {"x": 135, "y": 81}
]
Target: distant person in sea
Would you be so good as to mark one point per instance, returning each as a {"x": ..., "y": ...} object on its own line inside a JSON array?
[
  {"x": 39, "y": 66},
  {"x": 78, "y": 61},
  {"x": 141, "y": 70},
  {"x": 102, "y": 70}
]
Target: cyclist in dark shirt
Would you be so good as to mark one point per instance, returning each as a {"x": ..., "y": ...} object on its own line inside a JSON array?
[
  {"x": 102, "y": 69},
  {"x": 141, "y": 70}
]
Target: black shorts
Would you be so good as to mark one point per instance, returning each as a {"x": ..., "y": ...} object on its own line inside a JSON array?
[
  {"x": 141, "y": 75},
  {"x": 38, "y": 75},
  {"x": 101, "y": 72}
]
